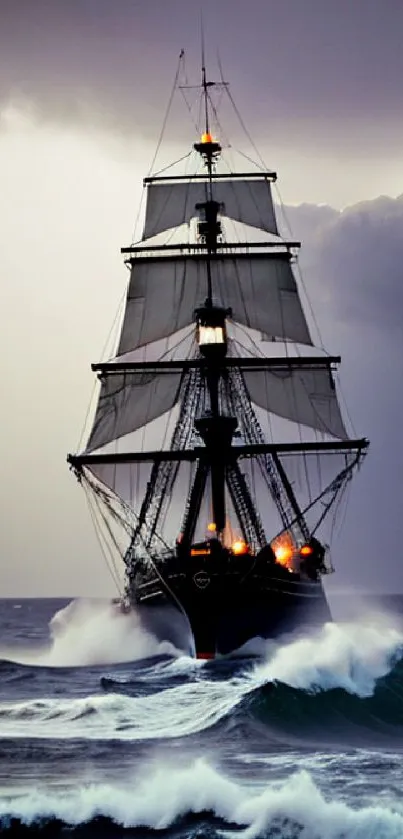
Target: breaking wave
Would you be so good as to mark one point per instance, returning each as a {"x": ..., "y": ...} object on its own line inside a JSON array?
[
  {"x": 350, "y": 656},
  {"x": 338, "y": 683},
  {"x": 88, "y": 633},
  {"x": 91, "y": 633},
  {"x": 169, "y": 796}
]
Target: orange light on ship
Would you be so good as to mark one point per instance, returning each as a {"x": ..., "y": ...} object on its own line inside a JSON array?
[
  {"x": 207, "y": 137},
  {"x": 211, "y": 527},
  {"x": 284, "y": 550},
  {"x": 239, "y": 547},
  {"x": 306, "y": 550},
  {"x": 283, "y": 554}
]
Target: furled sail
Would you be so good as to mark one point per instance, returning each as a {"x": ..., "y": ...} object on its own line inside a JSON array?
[
  {"x": 170, "y": 204},
  {"x": 130, "y": 400},
  {"x": 305, "y": 396},
  {"x": 164, "y": 292}
]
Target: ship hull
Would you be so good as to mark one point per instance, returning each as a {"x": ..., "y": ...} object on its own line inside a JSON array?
[{"x": 227, "y": 608}]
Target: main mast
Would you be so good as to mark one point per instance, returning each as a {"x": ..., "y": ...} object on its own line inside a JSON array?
[
  {"x": 215, "y": 429},
  {"x": 205, "y": 148}
]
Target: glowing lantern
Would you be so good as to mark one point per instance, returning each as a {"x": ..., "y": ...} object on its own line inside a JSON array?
[
  {"x": 284, "y": 550},
  {"x": 306, "y": 550},
  {"x": 206, "y": 138},
  {"x": 211, "y": 335},
  {"x": 283, "y": 554},
  {"x": 211, "y": 527},
  {"x": 239, "y": 547}
]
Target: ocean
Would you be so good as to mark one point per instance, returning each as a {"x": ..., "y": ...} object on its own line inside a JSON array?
[{"x": 105, "y": 732}]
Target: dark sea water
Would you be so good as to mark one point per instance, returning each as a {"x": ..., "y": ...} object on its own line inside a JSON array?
[{"x": 304, "y": 741}]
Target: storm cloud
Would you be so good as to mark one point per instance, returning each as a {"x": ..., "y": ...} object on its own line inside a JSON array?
[
  {"x": 325, "y": 72},
  {"x": 352, "y": 267},
  {"x": 354, "y": 259}
]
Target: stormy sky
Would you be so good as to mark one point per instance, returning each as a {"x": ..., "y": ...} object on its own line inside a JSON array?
[{"x": 83, "y": 90}]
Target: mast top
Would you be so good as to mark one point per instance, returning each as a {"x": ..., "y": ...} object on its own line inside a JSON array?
[{"x": 207, "y": 148}]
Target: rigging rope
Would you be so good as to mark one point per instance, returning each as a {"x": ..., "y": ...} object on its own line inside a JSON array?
[
  {"x": 103, "y": 353},
  {"x": 255, "y": 149},
  {"x": 113, "y": 570},
  {"x": 175, "y": 163},
  {"x": 165, "y": 120},
  {"x": 102, "y": 544},
  {"x": 189, "y": 107}
]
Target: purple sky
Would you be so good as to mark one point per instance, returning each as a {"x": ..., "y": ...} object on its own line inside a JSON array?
[
  {"x": 311, "y": 72},
  {"x": 83, "y": 89}
]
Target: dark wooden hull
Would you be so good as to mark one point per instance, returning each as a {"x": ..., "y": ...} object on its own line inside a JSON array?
[{"x": 229, "y": 604}]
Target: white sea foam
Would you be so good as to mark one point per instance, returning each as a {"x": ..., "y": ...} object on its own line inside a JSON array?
[
  {"x": 296, "y": 806},
  {"x": 90, "y": 632},
  {"x": 349, "y": 656},
  {"x": 174, "y": 712}
]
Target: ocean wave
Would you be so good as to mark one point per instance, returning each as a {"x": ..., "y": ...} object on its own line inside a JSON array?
[
  {"x": 169, "y": 797},
  {"x": 173, "y": 712},
  {"x": 333, "y": 716},
  {"x": 333, "y": 682},
  {"x": 341, "y": 685},
  {"x": 349, "y": 656},
  {"x": 88, "y": 633}
]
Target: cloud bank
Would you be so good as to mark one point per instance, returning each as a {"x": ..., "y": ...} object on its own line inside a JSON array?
[{"x": 330, "y": 72}]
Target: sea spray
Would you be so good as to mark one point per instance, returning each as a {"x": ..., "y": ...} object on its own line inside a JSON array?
[
  {"x": 89, "y": 633},
  {"x": 350, "y": 656},
  {"x": 93, "y": 632}
]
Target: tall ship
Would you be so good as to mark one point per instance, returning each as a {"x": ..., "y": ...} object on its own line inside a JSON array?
[{"x": 218, "y": 452}]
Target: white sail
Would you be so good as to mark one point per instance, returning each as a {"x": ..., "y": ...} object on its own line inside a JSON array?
[
  {"x": 164, "y": 292},
  {"x": 128, "y": 401},
  {"x": 171, "y": 204},
  {"x": 305, "y": 396}
]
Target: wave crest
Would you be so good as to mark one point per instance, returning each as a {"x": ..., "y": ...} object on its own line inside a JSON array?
[
  {"x": 297, "y": 807},
  {"x": 304, "y": 688},
  {"x": 349, "y": 656}
]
